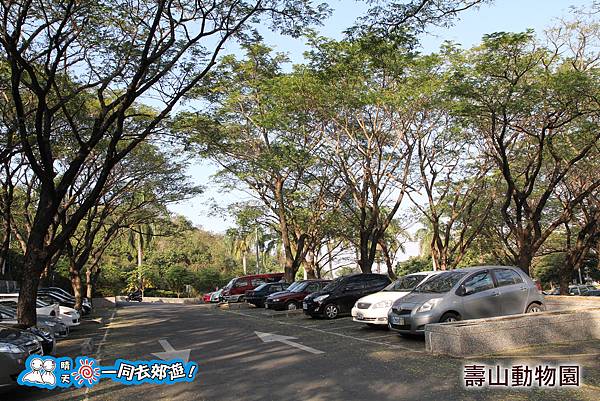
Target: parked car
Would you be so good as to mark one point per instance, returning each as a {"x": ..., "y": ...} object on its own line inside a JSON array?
[
  {"x": 15, "y": 346},
  {"x": 472, "y": 293},
  {"x": 64, "y": 298},
  {"x": 593, "y": 293},
  {"x": 373, "y": 309},
  {"x": 47, "y": 307},
  {"x": 216, "y": 296},
  {"x": 45, "y": 329},
  {"x": 291, "y": 298},
  {"x": 582, "y": 289},
  {"x": 339, "y": 296},
  {"x": 258, "y": 295},
  {"x": 206, "y": 297},
  {"x": 235, "y": 290}
]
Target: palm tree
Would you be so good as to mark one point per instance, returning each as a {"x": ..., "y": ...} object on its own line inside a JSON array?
[{"x": 240, "y": 243}]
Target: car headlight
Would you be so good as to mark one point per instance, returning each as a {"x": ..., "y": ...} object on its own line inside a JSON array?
[
  {"x": 275, "y": 299},
  {"x": 321, "y": 298},
  {"x": 11, "y": 348},
  {"x": 429, "y": 305},
  {"x": 383, "y": 304}
]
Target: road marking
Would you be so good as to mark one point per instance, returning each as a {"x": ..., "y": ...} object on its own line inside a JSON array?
[
  {"x": 343, "y": 327},
  {"x": 366, "y": 340},
  {"x": 172, "y": 353},
  {"x": 270, "y": 337},
  {"x": 541, "y": 356},
  {"x": 98, "y": 355},
  {"x": 86, "y": 346}
]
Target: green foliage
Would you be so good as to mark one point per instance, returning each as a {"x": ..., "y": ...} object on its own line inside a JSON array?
[{"x": 414, "y": 265}]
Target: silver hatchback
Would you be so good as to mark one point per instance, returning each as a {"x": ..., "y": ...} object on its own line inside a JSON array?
[{"x": 472, "y": 293}]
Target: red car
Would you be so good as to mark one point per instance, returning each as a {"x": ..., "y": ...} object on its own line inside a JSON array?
[
  {"x": 234, "y": 290},
  {"x": 292, "y": 298},
  {"x": 206, "y": 297}
]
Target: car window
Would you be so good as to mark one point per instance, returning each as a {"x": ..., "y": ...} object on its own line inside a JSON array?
[
  {"x": 312, "y": 287},
  {"x": 479, "y": 282},
  {"x": 406, "y": 283},
  {"x": 333, "y": 284},
  {"x": 241, "y": 283},
  {"x": 275, "y": 288},
  {"x": 353, "y": 286},
  {"x": 261, "y": 287},
  {"x": 507, "y": 277},
  {"x": 441, "y": 283}
]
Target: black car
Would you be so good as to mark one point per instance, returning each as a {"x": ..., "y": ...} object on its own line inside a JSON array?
[
  {"x": 258, "y": 295},
  {"x": 340, "y": 295},
  {"x": 15, "y": 346}
]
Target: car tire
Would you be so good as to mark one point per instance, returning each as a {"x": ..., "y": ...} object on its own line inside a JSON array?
[
  {"x": 240, "y": 299},
  {"x": 450, "y": 317},
  {"x": 291, "y": 305},
  {"x": 331, "y": 311},
  {"x": 535, "y": 308}
]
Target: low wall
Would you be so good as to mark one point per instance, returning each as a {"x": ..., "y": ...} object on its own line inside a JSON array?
[
  {"x": 488, "y": 336},
  {"x": 565, "y": 302},
  {"x": 121, "y": 299},
  {"x": 104, "y": 302}
]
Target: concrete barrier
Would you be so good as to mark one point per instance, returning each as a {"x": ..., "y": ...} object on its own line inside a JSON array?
[
  {"x": 104, "y": 302},
  {"x": 565, "y": 302},
  {"x": 488, "y": 336}
]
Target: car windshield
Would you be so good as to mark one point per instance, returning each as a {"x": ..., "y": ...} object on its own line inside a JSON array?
[
  {"x": 230, "y": 283},
  {"x": 296, "y": 286},
  {"x": 406, "y": 283},
  {"x": 261, "y": 287},
  {"x": 42, "y": 304},
  {"x": 8, "y": 311},
  {"x": 443, "y": 282},
  {"x": 333, "y": 284}
]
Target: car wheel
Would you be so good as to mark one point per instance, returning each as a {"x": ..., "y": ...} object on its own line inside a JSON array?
[
  {"x": 331, "y": 311},
  {"x": 449, "y": 317},
  {"x": 535, "y": 308},
  {"x": 291, "y": 305},
  {"x": 241, "y": 299}
]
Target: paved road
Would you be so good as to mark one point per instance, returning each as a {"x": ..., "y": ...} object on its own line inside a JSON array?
[{"x": 356, "y": 363}]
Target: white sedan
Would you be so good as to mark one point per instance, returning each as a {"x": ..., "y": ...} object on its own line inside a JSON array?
[
  {"x": 373, "y": 309},
  {"x": 69, "y": 316}
]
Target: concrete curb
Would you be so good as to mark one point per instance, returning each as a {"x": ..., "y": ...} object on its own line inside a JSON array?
[{"x": 500, "y": 334}]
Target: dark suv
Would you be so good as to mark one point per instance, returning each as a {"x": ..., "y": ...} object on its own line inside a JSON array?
[
  {"x": 291, "y": 299},
  {"x": 340, "y": 295},
  {"x": 258, "y": 295}
]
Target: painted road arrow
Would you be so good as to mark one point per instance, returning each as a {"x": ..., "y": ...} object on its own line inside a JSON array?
[
  {"x": 172, "y": 353},
  {"x": 270, "y": 337}
]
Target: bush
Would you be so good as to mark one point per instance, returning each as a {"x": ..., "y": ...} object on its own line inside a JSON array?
[{"x": 414, "y": 265}]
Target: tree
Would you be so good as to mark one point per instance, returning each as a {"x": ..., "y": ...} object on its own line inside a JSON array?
[
  {"x": 260, "y": 135},
  {"x": 78, "y": 67},
  {"x": 536, "y": 114}
]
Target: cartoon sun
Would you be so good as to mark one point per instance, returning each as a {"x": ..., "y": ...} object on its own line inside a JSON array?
[{"x": 86, "y": 372}]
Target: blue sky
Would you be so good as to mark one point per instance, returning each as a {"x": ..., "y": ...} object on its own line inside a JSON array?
[{"x": 503, "y": 15}]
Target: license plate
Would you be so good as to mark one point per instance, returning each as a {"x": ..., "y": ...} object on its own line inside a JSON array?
[
  {"x": 360, "y": 316},
  {"x": 398, "y": 320},
  {"x": 304, "y": 305}
]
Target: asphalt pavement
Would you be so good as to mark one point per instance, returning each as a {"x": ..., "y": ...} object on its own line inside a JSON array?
[{"x": 251, "y": 354}]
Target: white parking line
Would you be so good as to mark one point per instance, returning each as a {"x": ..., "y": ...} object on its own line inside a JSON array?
[{"x": 365, "y": 340}]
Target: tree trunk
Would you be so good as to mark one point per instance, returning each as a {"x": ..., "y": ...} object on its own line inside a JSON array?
[
  {"x": 245, "y": 263},
  {"x": 26, "y": 308},
  {"x": 365, "y": 262},
  {"x": 75, "y": 277},
  {"x": 140, "y": 261},
  {"x": 564, "y": 279},
  {"x": 88, "y": 284},
  {"x": 388, "y": 260}
]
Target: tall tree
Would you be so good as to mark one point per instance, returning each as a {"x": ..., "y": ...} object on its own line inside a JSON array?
[
  {"x": 66, "y": 56},
  {"x": 537, "y": 115}
]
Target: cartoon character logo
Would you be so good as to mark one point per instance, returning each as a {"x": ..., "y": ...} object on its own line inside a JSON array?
[{"x": 40, "y": 372}]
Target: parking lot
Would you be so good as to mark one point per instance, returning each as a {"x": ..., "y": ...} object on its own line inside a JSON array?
[{"x": 240, "y": 356}]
